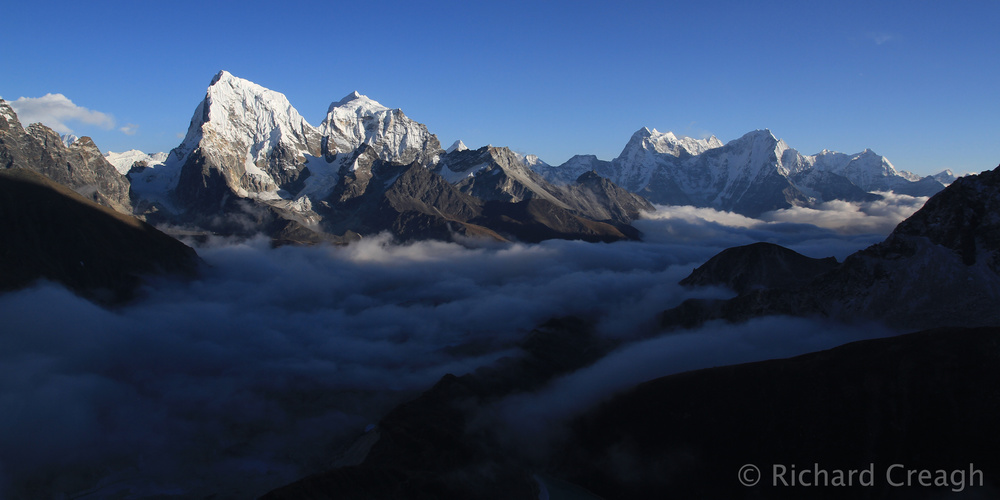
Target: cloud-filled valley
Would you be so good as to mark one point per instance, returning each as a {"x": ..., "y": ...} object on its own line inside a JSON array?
[{"x": 265, "y": 366}]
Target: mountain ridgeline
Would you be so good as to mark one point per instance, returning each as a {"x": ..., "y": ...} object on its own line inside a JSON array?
[
  {"x": 251, "y": 163},
  {"x": 751, "y": 175}
]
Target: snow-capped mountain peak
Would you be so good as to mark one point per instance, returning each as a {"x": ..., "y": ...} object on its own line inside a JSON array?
[
  {"x": 250, "y": 134},
  {"x": 457, "y": 146},
  {"x": 238, "y": 113},
  {"x": 358, "y": 103},
  {"x": 357, "y": 119},
  {"x": 123, "y": 162},
  {"x": 670, "y": 143}
]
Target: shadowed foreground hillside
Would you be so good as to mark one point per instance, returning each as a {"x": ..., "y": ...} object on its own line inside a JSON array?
[{"x": 51, "y": 232}]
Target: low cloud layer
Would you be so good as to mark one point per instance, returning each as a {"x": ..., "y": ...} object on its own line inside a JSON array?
[
  {"x": 261, "y": 370},
  {"x": 56, "y": 111},
  {"x": 853, "y": 217},
  {"x": 531, "y": 421}
]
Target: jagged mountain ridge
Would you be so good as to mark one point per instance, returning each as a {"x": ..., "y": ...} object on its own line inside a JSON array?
[
  {"x": 79, "y": 166},
  {"x": 248, "y": 151},
  {"x": 124, "y": 161},
  {"x": 749, "y": 175},
  {"x": 248, "y": 142}
]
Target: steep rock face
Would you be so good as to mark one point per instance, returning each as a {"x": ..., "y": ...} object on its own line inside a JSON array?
[
  {"x": 603, "y": 200},
  {"x": 649, "y": 151},
  {"x": 81, "y": 166},
  {"x": 938, "y": 268},
  {"x": 747, "y": 176},
  {"x": 357, "y": 120},
  {"x": 499, "y": 174},
  {"x": 244, "y": 140},
  {"x": 408, "y": 200},
  {"x": 492, "y": 173},
  {"x": 54, "y": 233}
]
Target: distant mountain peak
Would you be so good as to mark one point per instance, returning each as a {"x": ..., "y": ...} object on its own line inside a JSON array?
[
  {"x": 219, "y": 76},
  {"x": 357, "y": 119},
  {"x": 356, "y": 96},
  {"x": 457, "y": 146},
  {"x": 763, "y": 134}
]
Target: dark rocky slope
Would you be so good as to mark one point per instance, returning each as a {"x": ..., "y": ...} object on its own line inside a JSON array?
[
  {"x": 54, "y": 233},
  {"x": 926, "y": 401},
  {"x": 414, "y": 202},
  {"x": 758, "y": 265}
]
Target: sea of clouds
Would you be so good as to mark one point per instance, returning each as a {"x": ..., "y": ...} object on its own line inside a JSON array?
[{"x": 269, "y": 363}]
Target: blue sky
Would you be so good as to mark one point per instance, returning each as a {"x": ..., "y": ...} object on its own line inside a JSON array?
[{"x": 915, "y": 81}]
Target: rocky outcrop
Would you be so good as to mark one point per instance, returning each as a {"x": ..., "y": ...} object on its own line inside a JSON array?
[
  {"x": 496, "y": 174},
  {"x": 757, "y": 266},
  {"x": 81, "y": 166},
  {"x": 600, "y": 199}
]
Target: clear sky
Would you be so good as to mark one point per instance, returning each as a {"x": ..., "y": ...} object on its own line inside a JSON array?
[{"x": 918, "y": 82}]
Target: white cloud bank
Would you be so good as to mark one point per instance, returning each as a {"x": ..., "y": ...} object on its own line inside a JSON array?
[
  {"x": 55, "y": 110},
  {"x": 247, "y": 378}
]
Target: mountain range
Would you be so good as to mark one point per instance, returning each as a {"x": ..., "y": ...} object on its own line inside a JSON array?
[
  {"x": 251, "y": 163},
  {"x": 750, "y": 175}
]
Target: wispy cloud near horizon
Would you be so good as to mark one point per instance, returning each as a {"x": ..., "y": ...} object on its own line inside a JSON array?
[
  {"x": 881, "y": 38},
  {"x": 129, "y": 129},
  {"x": 55, "y": 110}
]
